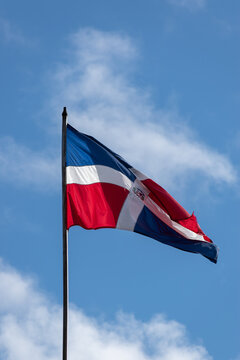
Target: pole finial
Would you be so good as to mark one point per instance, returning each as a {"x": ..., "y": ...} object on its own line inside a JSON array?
[{"x": 64, "y": 113}]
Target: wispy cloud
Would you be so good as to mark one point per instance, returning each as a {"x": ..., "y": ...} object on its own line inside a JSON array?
[
  {"x": 191, "y": 5},
  {"x": 224, "y": 26},
  {"x": 102, "y": 101},
  {"x": 22, "y": 166},
  {"x": 94, "y": 84},
  {"x": 31, "y": 324},
  {"x": 11, "y": 34}
]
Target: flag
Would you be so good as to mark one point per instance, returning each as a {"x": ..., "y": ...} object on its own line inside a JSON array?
[{"x": 104, "y": 191}]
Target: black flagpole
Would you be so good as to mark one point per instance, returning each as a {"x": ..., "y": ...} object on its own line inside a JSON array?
[{"x": 65, "y": 237}]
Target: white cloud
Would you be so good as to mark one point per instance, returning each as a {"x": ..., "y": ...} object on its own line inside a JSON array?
[
  {"x": 192, "y": 5},
  {"x": 94, "y": 84},
  {"x": 10, "y": 34},
  {"x": 31, "y": 324},
  {"x": 21, "y": 165},
  {"x": 103, "y": 102}
]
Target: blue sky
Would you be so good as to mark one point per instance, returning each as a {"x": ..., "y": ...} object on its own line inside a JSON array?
[{"x": 158, "y": 82}]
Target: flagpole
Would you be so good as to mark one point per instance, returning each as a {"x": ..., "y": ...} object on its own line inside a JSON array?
[{"x": 65, "y": 238}]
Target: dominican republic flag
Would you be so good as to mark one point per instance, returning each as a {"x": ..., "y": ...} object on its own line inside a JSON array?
[{"x": 104, "y": 191}]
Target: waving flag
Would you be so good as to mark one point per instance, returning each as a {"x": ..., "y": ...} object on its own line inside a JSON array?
[{"x": 104, "y": 191}]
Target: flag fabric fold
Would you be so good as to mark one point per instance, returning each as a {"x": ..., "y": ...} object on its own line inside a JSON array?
[{"x": 104, "y": 191}]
